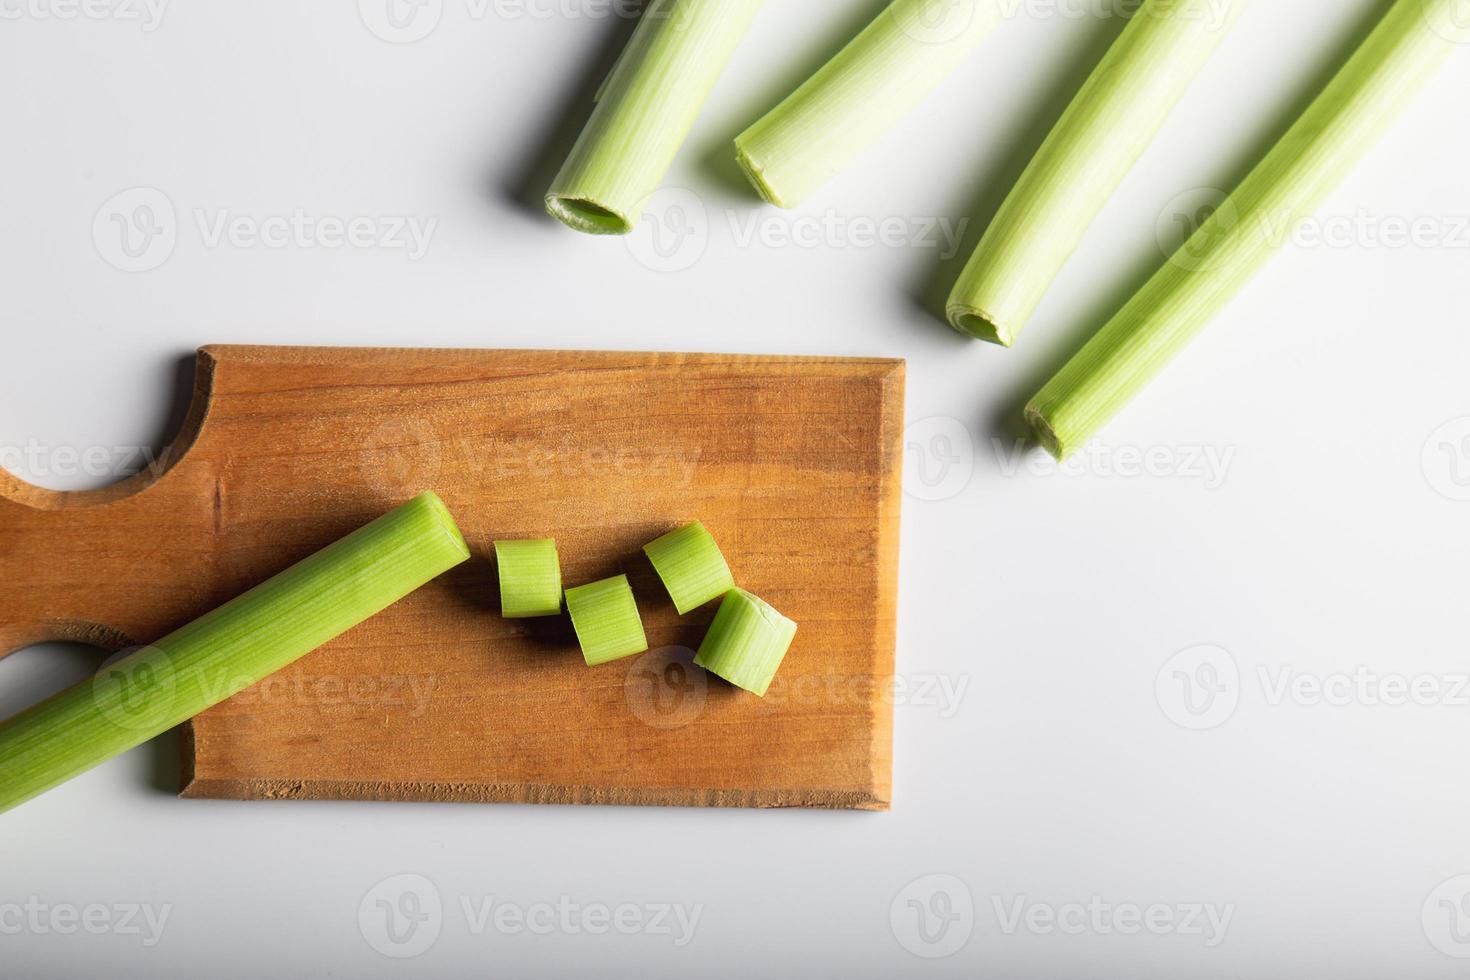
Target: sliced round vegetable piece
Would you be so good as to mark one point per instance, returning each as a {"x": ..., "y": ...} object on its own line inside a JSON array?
[
  {"x": 605, "y": 616},
  {"x": 690, "y": 564},
  {"x": 530, "y": 578},
  {"x": 746, "y": 642}
]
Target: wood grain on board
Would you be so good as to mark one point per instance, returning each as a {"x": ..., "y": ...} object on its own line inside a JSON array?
[{"x": 793, "y": 463}]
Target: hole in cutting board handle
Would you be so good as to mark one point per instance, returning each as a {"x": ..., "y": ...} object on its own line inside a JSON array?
[
  {"x": 38, "y": 671},
  {"x": 48, "y": 474}
]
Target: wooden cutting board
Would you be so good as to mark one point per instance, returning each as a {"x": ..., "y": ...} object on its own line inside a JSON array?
[{"x": 793, "y": 463}]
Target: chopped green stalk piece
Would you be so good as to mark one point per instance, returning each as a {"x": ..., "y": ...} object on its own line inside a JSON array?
[
  {"x": 1103, "y": 133},
  {"x": 1404, "y": 50},
  {"x": 157, "y": 687},
  {"x": 746, "y": 642},
  {"x": 883, "y": 74},
  {"x": 645, "y": 110},
  {"x": 691, "y": 566},
  {"x": 530, "y": 578},
  {"x": 605, "y": 616}
]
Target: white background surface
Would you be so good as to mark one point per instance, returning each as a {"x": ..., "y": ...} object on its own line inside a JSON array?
[{"x": 1326, "y": 538}]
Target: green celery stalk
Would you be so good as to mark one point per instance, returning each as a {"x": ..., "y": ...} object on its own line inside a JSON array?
[
  {"x": 1097, "y": 141},
  {"x": 530, "y": 578},
  {"x": 1348, "y": 117},
  {"x": 746, "y": 642},
  {"x": 882, "y": 75},
  {"x": 605, "y": 618},
  {"x": 645, "y": 111},
  {"x": 157, "y": 687},
  {"x": 690, "y": 564}
]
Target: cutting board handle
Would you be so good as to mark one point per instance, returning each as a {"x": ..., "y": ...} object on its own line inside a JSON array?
[{"x": 83, "y": 566}]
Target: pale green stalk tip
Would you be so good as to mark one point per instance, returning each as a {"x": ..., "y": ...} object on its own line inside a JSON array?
[
  {"x": 645, "y": 111},
  {"x": 858, "y": 96},
  {"x": 690, "y": 564},
  {"x": 605, "y": 618},
  {"x": 530, "y": 578},
  {"x": 1409, "y": 44},
  {"x": 1084, "y": 159},
  {"x": 746, "y": 643}
]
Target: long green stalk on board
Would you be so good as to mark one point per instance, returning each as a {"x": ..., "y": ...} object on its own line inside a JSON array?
[
  {"x": 645, "y": 111},
  {"x": 746, "y": 642},
  {"x": 1102, "y": 134},
  {"x": 1404, "y": 50},
  {"x": 860, "y": 94},
  {"x": 157, "y": 687}
]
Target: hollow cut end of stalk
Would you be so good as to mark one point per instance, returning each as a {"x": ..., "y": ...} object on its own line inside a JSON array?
[
  {"x": 1045, "y": 434},
  {"x": 747, "y": 642},
  {"x": 755, "y": 173},
  {"x": 976, "y": 323},
  {"x": 429, "y": 503},
  {"x": 588, "y": 216}
]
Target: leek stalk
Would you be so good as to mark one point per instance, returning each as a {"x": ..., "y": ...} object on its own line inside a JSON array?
[
  {"x": 1097, "y": 141},
  {"x": 157, "y": 687},
  {"x": 1407, "y": 47}
]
